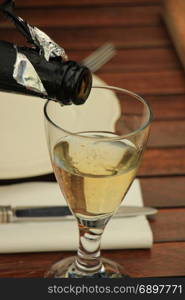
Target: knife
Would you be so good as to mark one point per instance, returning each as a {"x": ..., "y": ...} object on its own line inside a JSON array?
[{"x": 9, "y": 214}]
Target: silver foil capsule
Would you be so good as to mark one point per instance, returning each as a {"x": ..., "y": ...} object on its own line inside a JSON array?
[
  {"x": 41, "y": 70},
  {"x": 46, "y": 44},
  {"x": 25, "y": 74},
  {"x": 48, "y": 48}
]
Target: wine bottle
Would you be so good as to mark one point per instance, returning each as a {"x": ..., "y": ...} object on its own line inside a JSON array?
[
  {"x": 24, "y": 71},
  {"x": 43, "y": 69}
]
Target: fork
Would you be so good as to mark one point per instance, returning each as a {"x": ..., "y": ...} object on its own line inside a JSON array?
[{"x": 99, "y": 57}]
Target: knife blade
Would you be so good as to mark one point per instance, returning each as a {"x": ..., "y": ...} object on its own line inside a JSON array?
[{"x": 10, "y": 214}]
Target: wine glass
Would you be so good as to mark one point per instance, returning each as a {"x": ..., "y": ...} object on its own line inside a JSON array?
[{"x": 95, "y": 150}]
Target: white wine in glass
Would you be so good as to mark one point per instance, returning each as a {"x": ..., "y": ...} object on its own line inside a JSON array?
[
  {"x": 98, "y": 181},
  {"x": 95, "y": 169}
]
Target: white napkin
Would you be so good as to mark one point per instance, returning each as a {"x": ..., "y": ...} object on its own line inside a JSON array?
[{"x": 120, "y": 233}]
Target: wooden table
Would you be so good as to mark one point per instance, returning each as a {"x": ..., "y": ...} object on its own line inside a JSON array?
[{"x": 146, "y": 63}]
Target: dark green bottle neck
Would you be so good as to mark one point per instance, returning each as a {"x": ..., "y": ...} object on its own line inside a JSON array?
[{"x": 76, "y": 83}]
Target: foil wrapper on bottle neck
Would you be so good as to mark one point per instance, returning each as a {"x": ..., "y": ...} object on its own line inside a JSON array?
[
  {"x": 23, "y": 70},
  {"x": 43, "y": 69}
]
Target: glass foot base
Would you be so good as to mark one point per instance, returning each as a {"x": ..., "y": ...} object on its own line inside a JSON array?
[{"x": 66, "y": 269}]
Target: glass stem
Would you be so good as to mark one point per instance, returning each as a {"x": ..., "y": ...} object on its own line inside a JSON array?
[{"x": 88, "y": 258}]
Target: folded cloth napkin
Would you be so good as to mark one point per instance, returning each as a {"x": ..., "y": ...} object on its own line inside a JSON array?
[{"x": 120, "y": 233}]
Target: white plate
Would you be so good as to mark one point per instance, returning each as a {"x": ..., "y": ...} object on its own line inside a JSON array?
[{"x": 23, "y": 150}]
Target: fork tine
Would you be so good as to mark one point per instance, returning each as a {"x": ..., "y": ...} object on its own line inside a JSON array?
[
  {"x": 98, "y": 52},
  {"x": 99, "y": 57},
  {"x": 100, "y": 61}
]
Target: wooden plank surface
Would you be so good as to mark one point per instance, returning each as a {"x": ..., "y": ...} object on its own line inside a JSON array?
[
  {"x": 165, "y": 161},
  {"x": 167, "y": 134},
  {"x": 83, "y": 16},
  {"x": 133, "y": 60},
  {"x": 163, "y": 134},
  {"x": 168, "y": 225},
  {"x": 159, "y": 261},
  {"x": 167, "y": 107},
  {"x": 148, "y": 83},
  {"x": 132, "y": 37},
  {"x": 31, "y": 3},
  {"x": 166, "y": 191}
]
